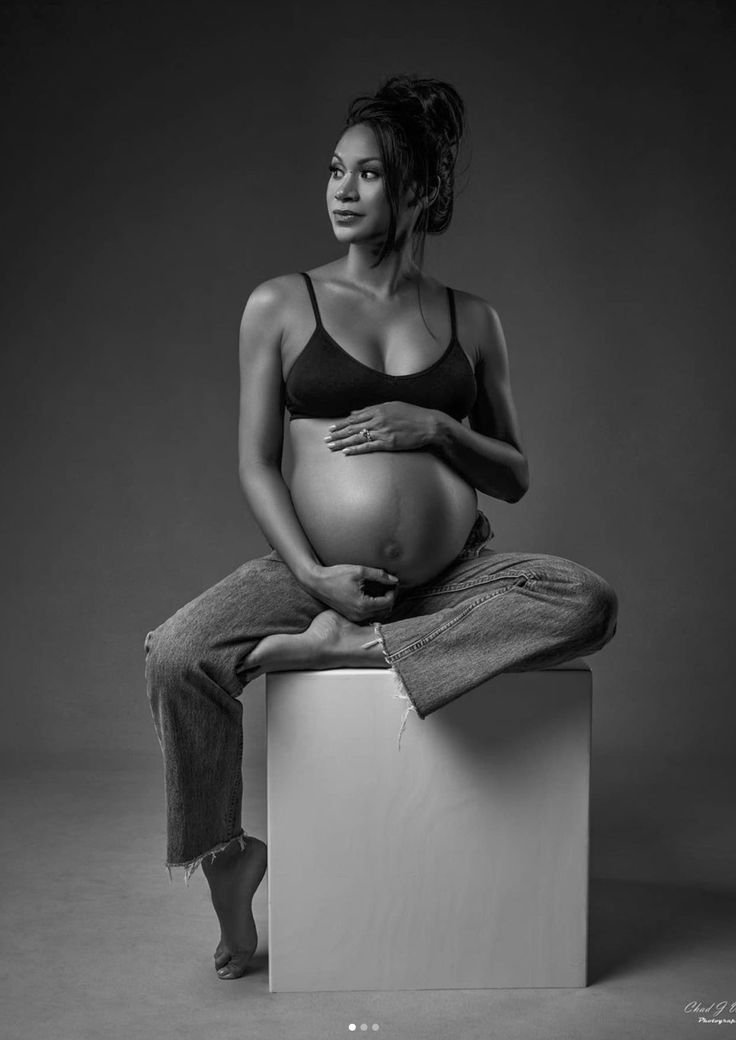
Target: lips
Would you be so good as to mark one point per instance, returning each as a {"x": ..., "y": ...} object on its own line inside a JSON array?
[{"x": 346, "y": 213}]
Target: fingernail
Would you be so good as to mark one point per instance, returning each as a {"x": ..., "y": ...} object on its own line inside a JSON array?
[
  {"x": 328, "y": 437},
  {"x": 332, "y": 427}
]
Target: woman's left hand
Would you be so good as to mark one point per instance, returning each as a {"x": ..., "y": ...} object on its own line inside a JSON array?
[{"x": 391, "y": 426}]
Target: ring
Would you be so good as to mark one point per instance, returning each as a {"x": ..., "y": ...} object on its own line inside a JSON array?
[{"x": 366, "y": 434}]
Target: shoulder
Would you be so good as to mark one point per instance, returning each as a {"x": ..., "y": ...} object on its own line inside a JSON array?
[
  {"x": 272, "y": 294},
  {"x": 479, "y": 328},
  {"x": 269, "y": 310}
]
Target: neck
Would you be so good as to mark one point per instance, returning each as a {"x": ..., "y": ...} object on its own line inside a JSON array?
[{"x": 395, "y": 273}]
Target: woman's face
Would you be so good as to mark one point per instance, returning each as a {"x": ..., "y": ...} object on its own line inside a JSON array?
[{"x": 356, "y": 183}]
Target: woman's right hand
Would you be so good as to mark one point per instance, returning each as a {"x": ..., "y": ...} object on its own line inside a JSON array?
[{"x": 358, "y": 593}]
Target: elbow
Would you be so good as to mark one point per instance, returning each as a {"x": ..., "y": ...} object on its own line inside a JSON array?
[
  {"x": 519, "y": 485},
  {"x": 245, "y": 475},
  {"x": 251, "y": 473},
  {"x": 511, "y": 492},
  {"x": 516, "y": 495}
]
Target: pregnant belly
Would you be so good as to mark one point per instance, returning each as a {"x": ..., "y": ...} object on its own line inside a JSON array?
[{"x": 406, "y": 512}]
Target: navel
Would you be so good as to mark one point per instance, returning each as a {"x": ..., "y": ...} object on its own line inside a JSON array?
[{"x": 392, "y": 549}]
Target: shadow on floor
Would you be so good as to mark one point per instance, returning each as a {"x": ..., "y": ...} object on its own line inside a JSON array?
[{"x": 632, "y": 925}]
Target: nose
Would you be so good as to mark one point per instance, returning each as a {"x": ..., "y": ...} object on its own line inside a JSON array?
[{"x": 347, "y": 187}]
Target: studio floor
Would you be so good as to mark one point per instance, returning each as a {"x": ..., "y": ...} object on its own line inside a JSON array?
[{"x": 98, "y": 943}]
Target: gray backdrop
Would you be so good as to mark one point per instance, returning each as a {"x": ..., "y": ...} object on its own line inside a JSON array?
[{"x": 161, "y": 162}]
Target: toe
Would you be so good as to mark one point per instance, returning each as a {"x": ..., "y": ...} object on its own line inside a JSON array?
[
  {"x": 222, "y": 953},
  {"x": 236, "y": 967}
]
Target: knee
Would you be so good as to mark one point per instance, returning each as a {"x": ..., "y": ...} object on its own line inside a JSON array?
[
  {"x": 185, "y": 657},
  {"x": 599, "y": 604},
  {"x": 168, "y": 657}
]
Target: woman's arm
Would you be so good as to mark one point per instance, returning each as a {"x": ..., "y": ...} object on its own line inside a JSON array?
[
  {"x": 260, "y": 432},
  {"x": 260, "y": 443},
  {"x": 489, "y": 455}
]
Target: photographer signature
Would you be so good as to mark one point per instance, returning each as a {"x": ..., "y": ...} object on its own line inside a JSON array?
[{"x": 715, "y": 1008}]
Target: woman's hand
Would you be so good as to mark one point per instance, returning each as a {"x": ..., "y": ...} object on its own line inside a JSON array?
[
  {"x": 358, "y": 593},
  {"x": 392, "y": 426}
]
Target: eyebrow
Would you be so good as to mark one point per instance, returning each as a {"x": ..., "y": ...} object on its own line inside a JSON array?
[{"x": 371, "y": 158}]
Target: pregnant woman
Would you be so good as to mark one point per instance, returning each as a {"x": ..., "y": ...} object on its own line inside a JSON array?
[{"x": 400, "y": 409}]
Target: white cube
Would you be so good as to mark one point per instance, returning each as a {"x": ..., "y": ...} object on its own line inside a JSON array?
[{"x": 457, "y": 861}]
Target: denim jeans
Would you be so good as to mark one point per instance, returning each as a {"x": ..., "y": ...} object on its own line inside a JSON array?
[{"x": 488, "y": 612}]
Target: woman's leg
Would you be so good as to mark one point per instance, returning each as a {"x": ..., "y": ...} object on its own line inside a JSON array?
[
  {"x": 194, "y": 678},
  {"x": 493, "y": 612}
]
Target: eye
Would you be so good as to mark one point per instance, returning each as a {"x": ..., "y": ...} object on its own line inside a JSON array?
[{"x": 370, "y": 173}]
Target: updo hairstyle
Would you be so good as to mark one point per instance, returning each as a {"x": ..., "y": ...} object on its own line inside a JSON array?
[{"x": 419, "y": 124}]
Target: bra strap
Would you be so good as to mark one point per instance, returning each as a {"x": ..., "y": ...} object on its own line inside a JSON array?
[
  {"x": 451, "y": 297},
  {"x": 313, "y": 298}
]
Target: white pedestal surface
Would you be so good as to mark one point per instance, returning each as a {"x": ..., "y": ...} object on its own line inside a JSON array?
[{"x": 459, "y": 861}]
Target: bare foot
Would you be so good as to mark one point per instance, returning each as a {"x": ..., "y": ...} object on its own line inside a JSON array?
[
  {"x": 331, "y": 641},
  {"x": 233, "y": 876}
]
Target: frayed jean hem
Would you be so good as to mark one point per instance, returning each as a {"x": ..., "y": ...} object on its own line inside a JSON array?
[
  {"x": 400, "y": 690},
  {"x": 192, "y": 865}
]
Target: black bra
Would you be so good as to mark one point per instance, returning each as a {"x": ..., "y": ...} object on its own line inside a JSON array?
[{"x": 326, "y": 382}]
